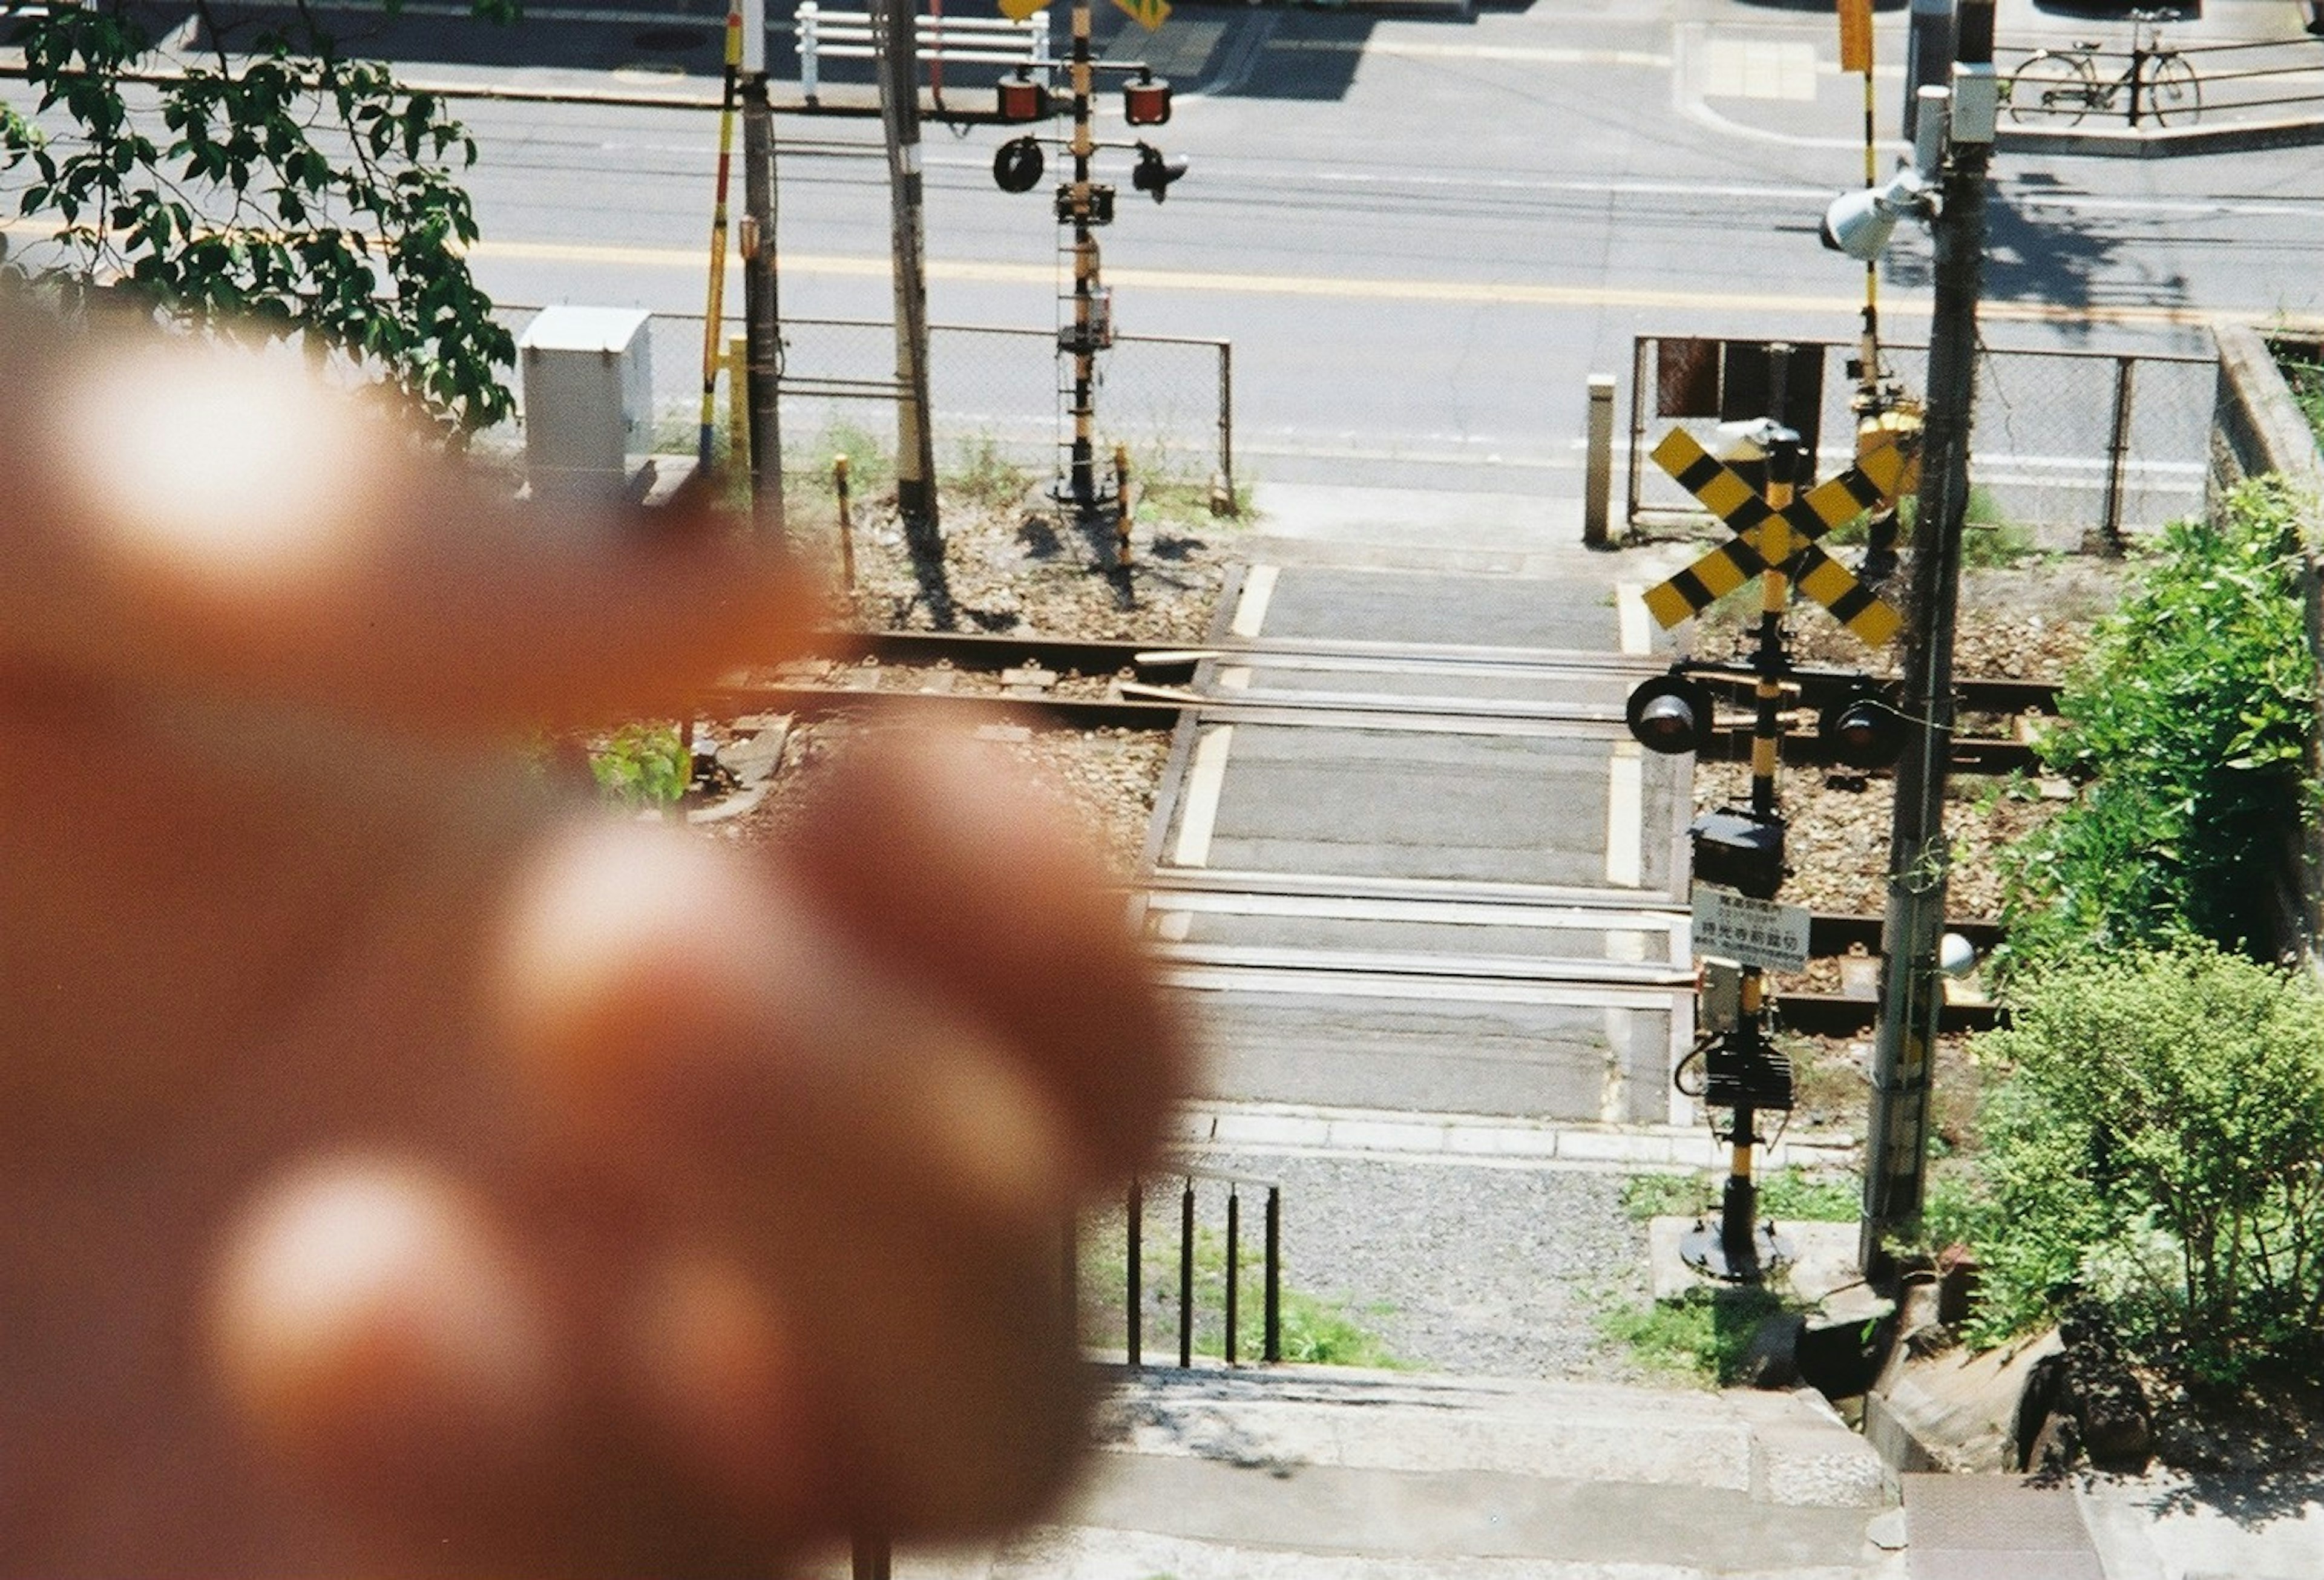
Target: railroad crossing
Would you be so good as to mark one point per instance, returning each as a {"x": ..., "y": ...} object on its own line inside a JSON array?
[{"x": 1413, "y": 862}]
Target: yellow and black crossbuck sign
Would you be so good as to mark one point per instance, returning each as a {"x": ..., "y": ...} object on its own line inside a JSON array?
[{"x": 1778, "y": 537}]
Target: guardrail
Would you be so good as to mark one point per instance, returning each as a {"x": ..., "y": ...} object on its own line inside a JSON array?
[
  {"x": 1270, "y": 1349},
  {"x": 982, "y": 40},
  {"x": 2153, "y": 84}
]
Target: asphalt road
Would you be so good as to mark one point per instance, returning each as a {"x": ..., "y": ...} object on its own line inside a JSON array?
[
  {"x": 1422, "y": 235},
  {"x": 1421, "y": 231}
]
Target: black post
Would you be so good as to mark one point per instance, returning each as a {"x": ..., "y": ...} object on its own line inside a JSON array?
[
  {"x": 1069, "y": 1270},
  {"x": 1186, "y": 1276},
  {"x": 1134, "y": 1303},
  {"x": 761, "y": 315},
  {"x": 2118, "y": 455},
  {"x": 1273, "y": 1338},
  {"x": 1234, "y": 1266},
  {"x": 870, "y": 1555}
]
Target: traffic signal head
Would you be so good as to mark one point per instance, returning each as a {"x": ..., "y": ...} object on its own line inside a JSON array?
[
  {"x": 1739, "y": 850},
  {"x": 1862, "y": 729},
  {"x": 1146, "y": 102},
  {"x": 1023, "y": 99},
  {"x": 1155, "y": 172},
  {"x": 1017, "y": 166},
  {"x": 1670, "y": 715}
]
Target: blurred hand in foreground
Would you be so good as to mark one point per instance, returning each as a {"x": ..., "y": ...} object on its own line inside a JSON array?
[{"x": 402, "y": 1171}]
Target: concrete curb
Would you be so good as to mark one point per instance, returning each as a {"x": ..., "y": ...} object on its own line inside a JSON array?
[
  {"x": 1486, "y": 1139},
  {"x": 2124, "y": 142}
]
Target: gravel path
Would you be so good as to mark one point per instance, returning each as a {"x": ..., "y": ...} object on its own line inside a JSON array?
[{"x": 1464, "y": 1268}]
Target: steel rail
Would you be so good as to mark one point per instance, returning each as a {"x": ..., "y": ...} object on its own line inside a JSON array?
[
  {"x": 979, "y": 652},
  {"x": 1970, "y": 754}
]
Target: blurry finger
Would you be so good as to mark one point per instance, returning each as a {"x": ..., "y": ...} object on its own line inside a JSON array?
[
  {"x": 373, "y": 1329},
  {"x": 895, "y": 1180},
  {"x": 1028, "y": 933},
  {"x": 188, "y": 517},
  {"x": 658, "y": 992}
]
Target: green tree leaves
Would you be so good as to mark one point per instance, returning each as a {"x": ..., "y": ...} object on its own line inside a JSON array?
[
  {"x": 2159, "y": 1141},
  {"x": 287, "y": 191},
  {"x": 2189, "y": 723}
]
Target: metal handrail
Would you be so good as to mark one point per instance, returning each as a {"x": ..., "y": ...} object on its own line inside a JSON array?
[{"x": 1271, "y": 1285}]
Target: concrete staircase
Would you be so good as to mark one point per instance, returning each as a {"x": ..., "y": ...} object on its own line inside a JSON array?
[{"x": 1331, "y": 1474}]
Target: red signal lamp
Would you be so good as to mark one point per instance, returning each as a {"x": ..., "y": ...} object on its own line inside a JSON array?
[
  {"x": 1146, "y": 102},
  {"x": 1022, "y": 99}
]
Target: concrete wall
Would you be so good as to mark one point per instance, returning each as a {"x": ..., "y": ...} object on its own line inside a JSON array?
[{"x": 2256, "y": 428}]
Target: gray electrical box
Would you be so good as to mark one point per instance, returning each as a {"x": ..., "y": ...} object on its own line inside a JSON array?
[{"x": 589, "y": 403}]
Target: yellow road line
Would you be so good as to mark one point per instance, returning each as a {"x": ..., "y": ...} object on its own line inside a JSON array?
[{"x": 1345, "y": 287}]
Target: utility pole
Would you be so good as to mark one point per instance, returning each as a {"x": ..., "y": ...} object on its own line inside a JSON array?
[
  {"x": 1911, "y": 987},
  {"x": 762, "y": 319},
  {"x": 898, "y": 44}
]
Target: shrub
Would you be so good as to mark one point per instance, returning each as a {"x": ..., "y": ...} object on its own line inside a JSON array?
[
  {"x": 2158, "y": 1142},
  {"x": 2189, "y": 720},
  {"x": 643, "y": 764}
]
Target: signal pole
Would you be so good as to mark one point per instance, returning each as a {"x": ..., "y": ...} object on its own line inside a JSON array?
[{"x": 1084, "y": 334}]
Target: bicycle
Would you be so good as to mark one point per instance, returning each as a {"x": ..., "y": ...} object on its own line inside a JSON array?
[{"x": 2057, "y": 87}]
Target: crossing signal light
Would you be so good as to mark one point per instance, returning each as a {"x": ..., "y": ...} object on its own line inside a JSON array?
[
  {"x": 1017, "y": 166},
  {"x": 1146, "y": 102},
  {"x": 1670, "y": 715},
  {"x": 1739, "y": 851},
  {"x": 1862, "y": 730},
  {"x": 1023, "y": 99},
  {"x": 1155, "y": 172}
]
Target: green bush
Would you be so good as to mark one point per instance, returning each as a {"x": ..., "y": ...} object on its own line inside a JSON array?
[
  {"x": 2189, "y": 722},
  {"x": 643, "y": 764},
  {"x": 2157, "y": 1141}
]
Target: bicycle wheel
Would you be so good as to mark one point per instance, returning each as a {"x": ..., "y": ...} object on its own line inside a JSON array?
[
  {"x": 2051, "y": 90},
  {"x": 2174, "y": 95}
]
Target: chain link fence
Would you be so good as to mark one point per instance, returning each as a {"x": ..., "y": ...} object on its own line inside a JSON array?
[
  {"x": 993, "y": 390},
  {"x": 2067, "y": 447}
]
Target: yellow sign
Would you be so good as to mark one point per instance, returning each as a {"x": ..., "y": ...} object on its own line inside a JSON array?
[
  {"x": 1019, "y": 10},
  {"x": 1856, "y": 35},
  {"x": 1826, "y": 505},
  {"x": 1148, "y": 15}
]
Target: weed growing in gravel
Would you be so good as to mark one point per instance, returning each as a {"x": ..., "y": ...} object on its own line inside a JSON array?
[
  {"x": 1804, "y": 1195},
  {"x": 1701, "y": 1337}
]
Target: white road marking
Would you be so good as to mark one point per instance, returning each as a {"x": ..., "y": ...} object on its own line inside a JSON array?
[
  {"x": 1513, "y": 52},
  {"x": 1250, "y": 608},
  {"x": 1630, "y": 610},
  {"x": 1625, "y": 830},
  {"x": 1198, "y": 813},
  {"x": 1756, "y": 69}
]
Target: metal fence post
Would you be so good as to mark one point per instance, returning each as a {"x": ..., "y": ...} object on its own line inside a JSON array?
[
  {"x": 2118, "y": 455},
  {"x": 1272, "y": 1340},
  {"x": 1226, "y": 430},
  {"x": 1234, "y": 1266},
  {"x": 1134, "y": 1306},
  {"x": 805, "y": 18},
  {"x": 1638, "y": 345},
  {"x": 1187, "y": 1275}
]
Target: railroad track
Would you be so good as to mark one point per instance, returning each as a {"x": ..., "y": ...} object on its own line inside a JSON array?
[{"x": 1146, "y": 689}]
